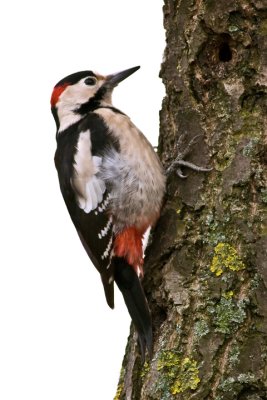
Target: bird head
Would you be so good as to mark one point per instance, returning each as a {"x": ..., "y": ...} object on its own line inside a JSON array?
[{"x": 79, "y": 93}]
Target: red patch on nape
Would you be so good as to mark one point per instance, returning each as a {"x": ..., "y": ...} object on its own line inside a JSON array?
[
  {"x": 56, "y": 93},
  {"x": 128, "y": 244}
]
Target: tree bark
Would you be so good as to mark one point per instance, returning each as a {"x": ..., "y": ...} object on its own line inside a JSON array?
[{"x": 206, "y": 266}]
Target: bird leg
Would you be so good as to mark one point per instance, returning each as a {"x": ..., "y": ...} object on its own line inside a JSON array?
[{"x": 180, "y": 162}]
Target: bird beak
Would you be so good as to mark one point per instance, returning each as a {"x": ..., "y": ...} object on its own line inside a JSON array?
[{"x": 114, "y": 79}]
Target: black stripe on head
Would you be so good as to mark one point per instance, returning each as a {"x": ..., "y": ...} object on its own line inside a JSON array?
[{"x": 74, "y": 78}]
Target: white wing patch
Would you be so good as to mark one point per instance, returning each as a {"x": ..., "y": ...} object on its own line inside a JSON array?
[{"x": 89, "y": 188}]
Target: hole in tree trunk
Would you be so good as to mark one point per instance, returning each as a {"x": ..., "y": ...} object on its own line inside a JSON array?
[{"x": 225, "y": 52}]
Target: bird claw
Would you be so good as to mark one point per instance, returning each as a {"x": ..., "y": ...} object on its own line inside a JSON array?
[{"x": 180, "y": 174}]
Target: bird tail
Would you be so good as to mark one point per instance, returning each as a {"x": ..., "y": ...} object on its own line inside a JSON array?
[{"x": 136, "y": 302}]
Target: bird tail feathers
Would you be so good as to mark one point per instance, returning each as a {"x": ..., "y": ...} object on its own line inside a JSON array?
[{"x": 135, "y": 300}]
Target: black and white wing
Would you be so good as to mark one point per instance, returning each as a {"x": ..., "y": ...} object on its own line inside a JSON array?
[{"x": 87, "y": 199}]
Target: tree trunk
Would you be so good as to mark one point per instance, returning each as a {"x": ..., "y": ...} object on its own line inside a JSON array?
[{"x": 206, "y": 267}]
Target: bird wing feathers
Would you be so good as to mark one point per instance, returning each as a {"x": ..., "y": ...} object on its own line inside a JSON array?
[{"x": 87, "y": 199}]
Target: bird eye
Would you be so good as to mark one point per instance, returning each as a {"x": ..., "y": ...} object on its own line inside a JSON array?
[{"x": 90, "y": 81}]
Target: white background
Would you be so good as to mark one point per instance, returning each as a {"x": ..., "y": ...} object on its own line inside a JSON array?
[{"x": 58, "y": 338}]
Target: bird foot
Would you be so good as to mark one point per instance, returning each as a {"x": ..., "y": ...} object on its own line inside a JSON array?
[{"x": 180, "y": 162}]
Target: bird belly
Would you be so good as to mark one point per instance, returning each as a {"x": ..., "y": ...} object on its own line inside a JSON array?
[{"x": 136, "y": 190}]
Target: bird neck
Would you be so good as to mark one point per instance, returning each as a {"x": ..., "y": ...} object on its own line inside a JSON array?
[{"x": 67, "y": 117}]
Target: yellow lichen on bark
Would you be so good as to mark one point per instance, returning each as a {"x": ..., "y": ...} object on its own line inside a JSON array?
[{"x": 225, "y": 258}]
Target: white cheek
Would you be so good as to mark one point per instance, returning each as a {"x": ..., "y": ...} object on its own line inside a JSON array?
[
  {"x": 73, "y": 97},
  {"x": 77, "y": 94}
]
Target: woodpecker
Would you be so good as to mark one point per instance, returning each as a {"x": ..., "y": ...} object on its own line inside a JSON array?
[{"x": 112, "y": 183}]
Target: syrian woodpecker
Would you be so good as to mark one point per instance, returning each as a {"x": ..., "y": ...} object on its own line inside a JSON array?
[{"x": 113, "y": 185}]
